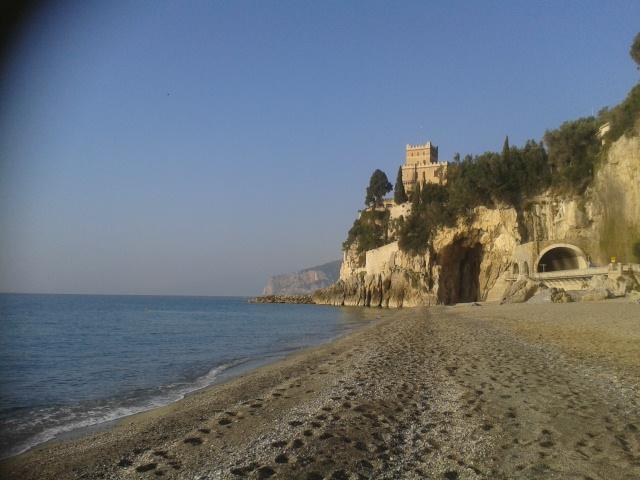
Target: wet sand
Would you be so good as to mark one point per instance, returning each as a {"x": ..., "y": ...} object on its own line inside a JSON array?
[{"x": 500, "y": 392}]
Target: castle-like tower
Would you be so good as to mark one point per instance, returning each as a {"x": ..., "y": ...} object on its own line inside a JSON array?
[{"x": 421, "y": 165}]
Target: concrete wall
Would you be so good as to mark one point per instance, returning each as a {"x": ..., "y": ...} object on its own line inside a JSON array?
[{"x": 398, "y": 211}]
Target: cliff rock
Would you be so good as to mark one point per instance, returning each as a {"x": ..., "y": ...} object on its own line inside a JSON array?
[
  {"x": 303, "y": 282},
  {"x": 466, "y": 264},
  {"x": 472, "y": 261}
]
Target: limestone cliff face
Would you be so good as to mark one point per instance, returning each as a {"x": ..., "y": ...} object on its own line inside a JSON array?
[
  {"x": 605, "y": 221},
  {"x": 471, "y": 261},
  {"x": 465, "y": 264},
  {"x": 614, "y": 205},
  {"x": 303, "y": 282}
]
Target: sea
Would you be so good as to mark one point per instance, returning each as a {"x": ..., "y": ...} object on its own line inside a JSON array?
[{"x": 70, "y": 363}]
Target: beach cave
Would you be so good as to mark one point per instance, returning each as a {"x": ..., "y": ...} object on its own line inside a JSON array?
[{"x": 460, "y": 273}]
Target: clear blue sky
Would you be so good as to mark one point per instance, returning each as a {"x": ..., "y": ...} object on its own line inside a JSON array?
[{"x": 197, "y": 147}]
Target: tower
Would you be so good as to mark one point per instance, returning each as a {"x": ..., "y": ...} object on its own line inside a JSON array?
[{"x": 421, "y": 165}]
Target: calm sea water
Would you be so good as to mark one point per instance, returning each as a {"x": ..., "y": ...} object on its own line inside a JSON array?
[{"x": 72, "y": 361}]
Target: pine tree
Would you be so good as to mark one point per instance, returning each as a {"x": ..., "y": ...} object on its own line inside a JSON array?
[
  {"x": 416, "y": 196},
  {"x": 505, "y": 149},
  {"x": 378, "y": 187},
  {"x": 399, "y": 194},
  {"x": 634, "y": 51}
]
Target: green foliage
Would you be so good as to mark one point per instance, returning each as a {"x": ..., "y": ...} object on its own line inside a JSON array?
[
  {"x": 565, "y": 162},
  {"x": 574, "y": 149},
  {"x": 416, "y": 194},
  {"x": 634, "y": 51},
  {"x": 427, "y": 215},
  {"x": 378, "y": 187},
  {"x": 434, "y": 192},
  {"x": 487, "y": 179},
  {"x": 369, "y": 231},
  {"x": 505, "y": 149},
  {"x": 491, "y": 178},
  {"x": 624, "y": 118},
  {"x": 399, "y": 195}
]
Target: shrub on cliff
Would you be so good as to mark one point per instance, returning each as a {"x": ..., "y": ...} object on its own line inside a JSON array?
[
  {"x": 429, "y": 211},
  {"x": 492, "y": 178},
  {"x": 369, "y": 231},
  {"x": 624, "y": 118},
  {"x": 573, "y": 149}
]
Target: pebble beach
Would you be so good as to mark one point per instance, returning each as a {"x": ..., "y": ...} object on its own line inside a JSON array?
[{"x": 463, "y": 392}]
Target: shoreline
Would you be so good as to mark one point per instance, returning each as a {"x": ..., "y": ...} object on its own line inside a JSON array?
[
  {"x": 468, "y": 392},
  {"x": 228, "y": 373}
]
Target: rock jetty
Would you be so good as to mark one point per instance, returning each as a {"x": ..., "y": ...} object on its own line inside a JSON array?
[{"x": 282, "y": 299}]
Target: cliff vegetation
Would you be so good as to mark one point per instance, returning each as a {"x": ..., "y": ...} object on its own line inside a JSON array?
[
  {"x": 563, "y": 163},
  {"x": 469, "y": 239}
]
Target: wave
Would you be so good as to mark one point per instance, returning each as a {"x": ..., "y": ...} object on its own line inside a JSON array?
[{"x": 43, "y": 424}]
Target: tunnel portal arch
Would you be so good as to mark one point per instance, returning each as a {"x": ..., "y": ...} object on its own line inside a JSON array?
[{"x": 561, "y": 256}]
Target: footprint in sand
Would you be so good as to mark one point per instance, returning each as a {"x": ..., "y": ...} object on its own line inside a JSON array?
[
  {"x": 265, "y": 472},
  {"x": 146, "y": 468},
  {"x": 193, "y": 441}
]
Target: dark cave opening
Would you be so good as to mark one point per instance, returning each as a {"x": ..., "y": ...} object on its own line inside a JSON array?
[{"x": 460, "y": 274}]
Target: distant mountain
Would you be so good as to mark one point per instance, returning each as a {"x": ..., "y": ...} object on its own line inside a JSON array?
[{"x": 305, "y": 281}]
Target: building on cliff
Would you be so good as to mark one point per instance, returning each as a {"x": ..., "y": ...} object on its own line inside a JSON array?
[
  {"x": 582, "y": 244},
  {"x": 421, "y": 166}
]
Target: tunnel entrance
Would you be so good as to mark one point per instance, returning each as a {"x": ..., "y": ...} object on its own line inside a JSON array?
[
  {"x": 460, "y": 273},
  {"x": 561, "y": 258}
]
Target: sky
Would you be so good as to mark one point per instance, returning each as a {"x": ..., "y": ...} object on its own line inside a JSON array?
[{"x": 196, "y": 148}]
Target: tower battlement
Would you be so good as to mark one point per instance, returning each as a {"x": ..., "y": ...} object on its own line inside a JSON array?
[
  {"x": 421, "y": 165},
  {"x": 421, "y": 154},
  {"x": 419, "y": 146}
]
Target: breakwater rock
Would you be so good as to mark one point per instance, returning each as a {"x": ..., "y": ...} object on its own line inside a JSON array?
[{"x": 306, "y": 299}]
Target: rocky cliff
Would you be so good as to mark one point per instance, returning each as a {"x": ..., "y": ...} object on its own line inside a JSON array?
[
  {"x": 605, "y": 221},
  {"x": 472, "y": 260},
  {"x": 303, "y": 282},
  {"x": 465, "y": 264}
]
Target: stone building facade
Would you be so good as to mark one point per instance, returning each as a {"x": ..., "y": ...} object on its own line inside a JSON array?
[{"x": 421, "y": 165}]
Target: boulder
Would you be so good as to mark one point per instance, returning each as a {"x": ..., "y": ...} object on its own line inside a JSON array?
[
  {"x": 520, "y": 291},
  {"x": 596, "y": 295}
]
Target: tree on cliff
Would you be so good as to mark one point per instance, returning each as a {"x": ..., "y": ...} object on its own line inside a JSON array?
[
  {"x": 416, "y": 195},
  {"x": 635, "y": 50},
  {"x": 573, "y": 150},
  {"x": 505, "y": 149},
  {"x": 378, "y": 187},
  {"x": 399, "y": 195}
]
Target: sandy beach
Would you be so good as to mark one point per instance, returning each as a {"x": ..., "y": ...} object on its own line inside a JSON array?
[{"x": 466, "y": 392}]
